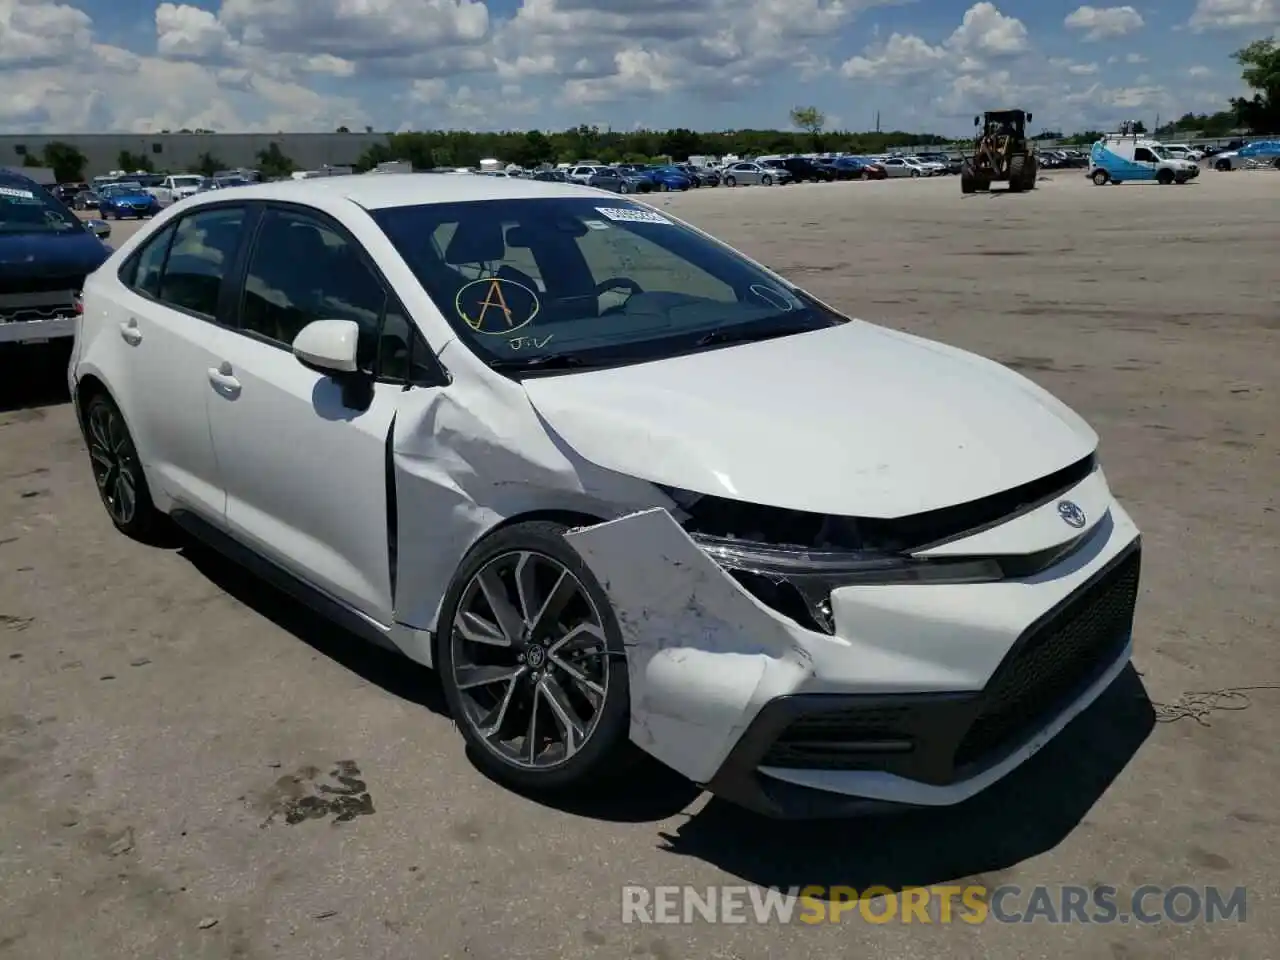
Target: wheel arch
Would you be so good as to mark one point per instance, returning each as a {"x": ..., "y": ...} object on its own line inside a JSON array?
[{"x": 570, "y": 518}]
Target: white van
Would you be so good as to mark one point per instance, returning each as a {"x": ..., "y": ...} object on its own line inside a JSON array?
[{"x": 1120, "y": 158}]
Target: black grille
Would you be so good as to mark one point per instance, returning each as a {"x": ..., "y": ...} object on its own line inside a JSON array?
[
  {"x": 849, "y": 739},
  {"x": 38, "y": 298},
  {"x": 1054, "y": 662}
]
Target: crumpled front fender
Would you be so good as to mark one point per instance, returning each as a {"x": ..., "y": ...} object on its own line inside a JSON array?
[{"x": 703, "y": 655}]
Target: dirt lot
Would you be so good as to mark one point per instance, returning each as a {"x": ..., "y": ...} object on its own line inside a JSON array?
[{"x": 158, "y": 710}]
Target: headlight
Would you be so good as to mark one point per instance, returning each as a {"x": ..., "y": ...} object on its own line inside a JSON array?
[
  {"x": 792, "y": 561},
  {"x": 798, "y": 582}
]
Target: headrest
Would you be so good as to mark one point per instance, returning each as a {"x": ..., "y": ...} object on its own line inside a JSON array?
[{"x": 476, "y": 241}]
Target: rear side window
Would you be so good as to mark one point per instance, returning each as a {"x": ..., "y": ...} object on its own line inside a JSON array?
[
  {"x": 199, "y": 257},
  {"x": 143, "y": 271}
]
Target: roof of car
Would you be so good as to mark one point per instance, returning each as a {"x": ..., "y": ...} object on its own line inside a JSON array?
[{"x": 407, "y": 190}]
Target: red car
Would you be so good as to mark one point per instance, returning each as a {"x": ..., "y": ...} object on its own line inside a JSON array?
[{"x": 874, "y": 171}]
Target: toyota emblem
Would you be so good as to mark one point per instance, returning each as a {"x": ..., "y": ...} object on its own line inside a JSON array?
[{"x": 1071, "y": 514}]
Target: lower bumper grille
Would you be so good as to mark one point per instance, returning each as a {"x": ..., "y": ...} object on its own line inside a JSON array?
[
  {"x": 1053, "y": 662},
  {"x": 38, "y": 298},
  {"x": 942, "y": 738}
]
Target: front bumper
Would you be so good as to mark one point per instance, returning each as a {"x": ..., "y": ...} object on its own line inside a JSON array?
[{"x": 928, "y": 694}]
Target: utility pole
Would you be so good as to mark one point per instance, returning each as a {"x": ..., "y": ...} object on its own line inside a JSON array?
[{"x": 877, "y": 121}]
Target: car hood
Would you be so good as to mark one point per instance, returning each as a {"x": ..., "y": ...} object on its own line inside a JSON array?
[
  {"x": 27, "y": 255},
  {"x": 853, "y": 420}
]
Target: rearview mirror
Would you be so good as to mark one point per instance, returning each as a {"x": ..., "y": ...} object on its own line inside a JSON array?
[
  {"x": 977, "y": 121},
  {"x": 1030, "y": 117},
  {"x": 328, "y": 346},
  {"x": 99, "y": 228}
]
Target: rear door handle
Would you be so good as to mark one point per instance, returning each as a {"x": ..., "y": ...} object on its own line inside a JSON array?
[
  {"x": 130, "y": 333},
  {"x": 224, "y": 381}
]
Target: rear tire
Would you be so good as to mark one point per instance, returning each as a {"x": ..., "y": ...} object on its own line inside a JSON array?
[
  {"x": 730, "y": 182},
  {"x": 968, "y": 179},
  {"x": 602, "y": 747},
  {"x": 117, "y": 471},
  {"x": 766, "y": 181}
]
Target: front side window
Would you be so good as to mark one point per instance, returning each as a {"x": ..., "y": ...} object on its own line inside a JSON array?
[
  {"x": 25, "y": 208},
  {"x": 199, "y": 257},
  {"x": 592, "y": 281},
  {"x": 302, "y": 269}
]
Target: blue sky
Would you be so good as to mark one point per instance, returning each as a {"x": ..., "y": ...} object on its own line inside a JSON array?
[{"x": 708, "y": 64}]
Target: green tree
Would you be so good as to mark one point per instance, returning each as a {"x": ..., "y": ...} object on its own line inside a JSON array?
[
  {"x": 1260, "y": 70},
  {"x": 207, "y": 165},
  {"x": 812, "y": 121},
  {"x": 273, "y": 163},
  {"x": 65, "y": 160},
  {"x": 129, "y": 162}
]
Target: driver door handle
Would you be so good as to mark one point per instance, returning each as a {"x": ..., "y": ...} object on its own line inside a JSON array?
[
  {"x": 130, "y": 333},
  {"x": 224, "y": 381}
]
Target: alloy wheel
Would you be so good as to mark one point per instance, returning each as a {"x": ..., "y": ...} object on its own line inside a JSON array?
[
  {"x": 529, "y": 660},
  {"x": 115, "y": 465}
]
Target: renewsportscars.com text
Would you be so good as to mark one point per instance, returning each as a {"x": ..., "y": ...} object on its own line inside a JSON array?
[{"x": 968, "y": 904}]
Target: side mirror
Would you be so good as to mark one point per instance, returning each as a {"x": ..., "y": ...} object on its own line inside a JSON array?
[
  {"x": 977, "y": 121},
  {"x": 328, "y": 346},
  {"x": 1030, "y": 117},
  {"x": 99, "y": 228}
]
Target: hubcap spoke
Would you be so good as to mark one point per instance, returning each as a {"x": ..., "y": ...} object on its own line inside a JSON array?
[
  {"x": 493, "y": 721},
  {"x": 471, "y": 677},
  {"x": 566, "y": 719},
  {"x": 495, "y": 592},
  {"x": 558, "y": 598},
  {"x": 477, "y": 629}
]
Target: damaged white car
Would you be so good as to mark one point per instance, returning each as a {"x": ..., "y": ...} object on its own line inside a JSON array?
[{"x": 619, "y": 484}]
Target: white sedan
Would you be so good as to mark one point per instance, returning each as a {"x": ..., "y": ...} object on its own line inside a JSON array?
[{"x": 621, "y": 485}]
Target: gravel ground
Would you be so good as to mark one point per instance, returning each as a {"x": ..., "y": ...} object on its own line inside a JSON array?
[{"x": 158, "y": 710}]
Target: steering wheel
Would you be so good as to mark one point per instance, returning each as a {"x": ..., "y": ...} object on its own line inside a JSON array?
[{"x": 618, "y": 283}]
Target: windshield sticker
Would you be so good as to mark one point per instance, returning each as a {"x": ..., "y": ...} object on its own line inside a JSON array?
[
  {"x": 16, "y": 193},
  {"x": 496, "y": 307},
  {"x": 632, "y": 215},
  {"x": 537, "y": 343},
  {"x": 596, "y": 224}
]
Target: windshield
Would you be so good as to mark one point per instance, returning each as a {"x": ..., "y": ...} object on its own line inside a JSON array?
[
  {"x": 27, "y": 210},
  {"x": 596, "y": 280},
  {"x": 192, "y": 181}
]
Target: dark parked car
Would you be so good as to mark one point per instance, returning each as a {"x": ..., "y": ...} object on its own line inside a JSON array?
[
  {"x": 550, "y": 176},
  {"x": 701, "y": 176},
  {"x": 845, "y": 168},
  {"x": 45, "y": 254},
  {"x": 85, "y": 200},
  {"x": 802, "y": 169},
  {"x": 66, "y": 192}
]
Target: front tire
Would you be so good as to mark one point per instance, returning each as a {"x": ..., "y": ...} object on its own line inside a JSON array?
[
  {"x": 117, "y": 471},
  {"x": 532, "y": 663},
  {"x": 730, "y": 182}
]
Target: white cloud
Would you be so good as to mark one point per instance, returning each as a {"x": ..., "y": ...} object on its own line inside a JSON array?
[
  {"x": 1102, "y": 23},
  {"x": 34, "y": 34},
  {"x": 1232, "y": 14},
  {"x": 1134, "y": 58},
  {"x": 1199, "y": 72},
  {"x": 984, "y": 34}
]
